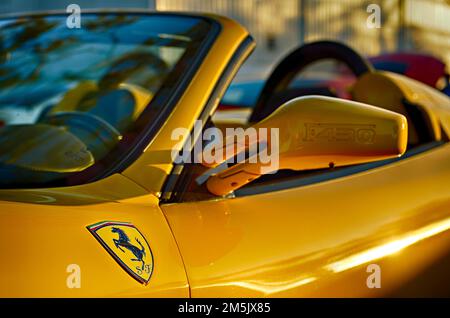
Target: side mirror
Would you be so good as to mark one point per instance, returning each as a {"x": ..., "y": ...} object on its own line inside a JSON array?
[{"x": 318, "y": 132}]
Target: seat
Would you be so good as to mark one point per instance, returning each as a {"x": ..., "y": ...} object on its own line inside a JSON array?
[{"x": 404, "y": 96}]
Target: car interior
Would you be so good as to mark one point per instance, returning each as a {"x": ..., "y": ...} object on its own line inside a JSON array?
[
  {"x": 98, "y": 113},
  {"x": 94, "y": 86},
  {"x": 369, "y": 87}
]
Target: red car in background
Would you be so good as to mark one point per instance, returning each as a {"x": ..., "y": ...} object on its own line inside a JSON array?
[{"x": 423, "y": 68}]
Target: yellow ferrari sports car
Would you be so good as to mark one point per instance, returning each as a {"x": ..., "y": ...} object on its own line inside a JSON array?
[{"x": 103, "y": 192}]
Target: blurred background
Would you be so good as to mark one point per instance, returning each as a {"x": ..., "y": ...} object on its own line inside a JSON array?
[{"x": 420, "y": 26}]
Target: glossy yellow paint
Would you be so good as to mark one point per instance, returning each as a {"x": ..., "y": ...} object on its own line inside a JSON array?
[
  {"x": 317, "y": 240},
  {"x": 39, "y": 239}
]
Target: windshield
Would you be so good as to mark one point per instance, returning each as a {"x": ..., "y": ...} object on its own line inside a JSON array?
[{"x": 74, "y": 100}]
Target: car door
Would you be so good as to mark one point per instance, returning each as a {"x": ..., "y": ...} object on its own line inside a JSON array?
[{"x": 322, "y": 235}]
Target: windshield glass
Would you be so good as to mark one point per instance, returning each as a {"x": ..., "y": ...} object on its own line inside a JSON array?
[{"x": 73, "y": 100}]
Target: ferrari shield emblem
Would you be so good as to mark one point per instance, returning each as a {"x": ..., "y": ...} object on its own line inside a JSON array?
[{"x": 127, "y": 246}]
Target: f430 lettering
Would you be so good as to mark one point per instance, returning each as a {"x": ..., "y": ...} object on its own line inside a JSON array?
[{"x": 364, "y": 134}]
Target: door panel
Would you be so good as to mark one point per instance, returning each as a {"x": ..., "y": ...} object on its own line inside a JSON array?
[{"x": 317, "y": 240}]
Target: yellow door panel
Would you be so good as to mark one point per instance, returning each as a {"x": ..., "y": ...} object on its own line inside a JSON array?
[
  {"x": 41, "y": 240},
  {"x": 318, "y": 240}
]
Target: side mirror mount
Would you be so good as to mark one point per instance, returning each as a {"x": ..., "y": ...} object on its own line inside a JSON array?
[{"x": 317, "y": 132}]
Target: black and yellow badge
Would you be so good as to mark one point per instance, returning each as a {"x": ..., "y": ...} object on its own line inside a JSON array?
[{"x": 127, "y": 246}]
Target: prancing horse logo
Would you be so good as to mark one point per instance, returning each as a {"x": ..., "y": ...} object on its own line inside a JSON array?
[
  {"x": 127, "y": 246},
  {"x": 124, "y": 241}
]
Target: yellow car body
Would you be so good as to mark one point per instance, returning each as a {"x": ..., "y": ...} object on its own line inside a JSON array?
[{"x": 303, "y": 240}]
